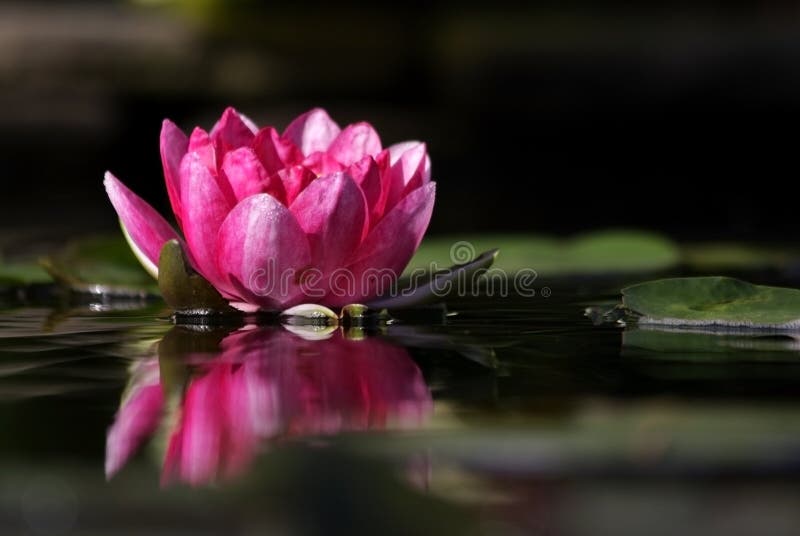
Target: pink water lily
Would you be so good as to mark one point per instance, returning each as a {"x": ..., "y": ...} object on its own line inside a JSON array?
[
  {"x": 265, "y": 385},
  {"x": 275, "y": 219}
]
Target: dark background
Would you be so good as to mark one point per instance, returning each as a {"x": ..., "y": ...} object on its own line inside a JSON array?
[{"x": 552, "y": 118}]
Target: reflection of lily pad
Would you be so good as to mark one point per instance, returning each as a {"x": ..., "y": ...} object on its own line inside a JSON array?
[
  {"x": 592, "y": 253},
  {"x": 713, "y": 301},
  {"x": 710, "y": 344}
]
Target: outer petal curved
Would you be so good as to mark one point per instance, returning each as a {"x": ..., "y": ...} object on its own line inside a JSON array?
[
  {"x": 205, "y": 208},
  {"x": 246, "y": 175},
  {"x": 392, "y": 243},
  {"x": 144, "y": 228},
  {"x": 174, "y": 145},
  {"x": 355, "y": 142},
  {"x": 264, "y": 252},
  {"x": 313, "y": 131},
  {"x": 333, "y": 214},
  {"x": 409, "y": 169},
  {"x": 418, "y": 149}
]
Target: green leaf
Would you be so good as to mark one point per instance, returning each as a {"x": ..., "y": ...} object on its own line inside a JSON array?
[
  {"x": 713, "y": 301},
  {"x": 183, "y": 289},
  {"x": 437, "y": 285},
  {"x": 602, "y": 252},
  {"x": 22, "y": 273}
]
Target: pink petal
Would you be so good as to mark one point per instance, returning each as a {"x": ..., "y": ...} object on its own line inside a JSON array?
[
  {"x": 322, "y": 163},
  {"x": 232, "y": 131},
  {"x": 195, "y": 448},
  {"x": 174, "y": 145},
  {"x": 200, "y": 144},
  {"x": 333, "y": 214},
  {"x": 246, "y": 175},
  {"x": 313, "y": 131},
  {"x": 392, "y": 242},
  {"x": 336, "y": 385},
  {"x": 390, "y": 389},
  {"x": 145, "y": 229},
  {"x": 295, "y": 179},
  {"x": 367, "y": 174},
  {"x": 413, "y": 164},
  {"x": 251, "y": 408},
  {"x": 275, "y": 152},
  {"x": 135, "y": 422},
  {"x": 418, "y": 149},
  {"x": 355, "y": 142},
  {"x": 244, "y": 306},
  {"x": 205, "y": 207},
  {"x": 410, "y": 169},
  {"x": 264, "y": 252}
]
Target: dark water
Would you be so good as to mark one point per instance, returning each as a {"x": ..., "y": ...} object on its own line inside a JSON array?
[{"x": 491, "y": 416}]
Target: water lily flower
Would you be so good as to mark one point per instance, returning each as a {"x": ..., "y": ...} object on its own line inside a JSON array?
[
  {"x": 264, "y": 385},
  {"x": 275, "y": 219}
]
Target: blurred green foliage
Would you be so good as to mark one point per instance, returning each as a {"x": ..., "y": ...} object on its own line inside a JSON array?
[
  {"x": 21, "y": 273},
  {"x": 98, "y": 260},
  {"x": 599, "y": 252}
]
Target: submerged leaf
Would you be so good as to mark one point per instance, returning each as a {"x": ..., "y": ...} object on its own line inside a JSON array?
[{"x": 713, "y": 301}]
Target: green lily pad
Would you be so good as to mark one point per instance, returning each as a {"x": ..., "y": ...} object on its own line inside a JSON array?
[
  {"x": 22, "y": 273},
  {"x": 713, "y": 301},
  {"x": 99, "y": 260},
  {"x": 602, "y": 252}
]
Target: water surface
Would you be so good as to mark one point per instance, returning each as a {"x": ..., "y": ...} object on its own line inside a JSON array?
[{"x": 490, "y": 415}]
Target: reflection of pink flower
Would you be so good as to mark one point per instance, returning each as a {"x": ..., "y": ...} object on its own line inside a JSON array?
[
  {"x": 267, "y": 385},
  {"x": 258, "y": 209},
  {"x": 138, "y": 416}
]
